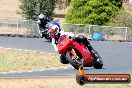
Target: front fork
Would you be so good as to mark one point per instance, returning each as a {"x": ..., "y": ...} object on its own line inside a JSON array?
[
  {"x": 72, "y": 51},
  {"x": 75, "y": 56}
]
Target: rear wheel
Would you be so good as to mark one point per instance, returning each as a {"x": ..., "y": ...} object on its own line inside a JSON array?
[{"x": 98, "y": 64}]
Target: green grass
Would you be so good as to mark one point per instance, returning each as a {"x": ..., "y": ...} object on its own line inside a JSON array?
[{"x": 13, "y": 60}]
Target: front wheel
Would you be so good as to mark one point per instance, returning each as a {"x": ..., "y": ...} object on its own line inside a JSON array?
[
  {"x": 63, "y": 59},
  {"x": 48, "y": 38},
  {"x": 41, "y": 34},
  {"x": 74, "y": 62}
]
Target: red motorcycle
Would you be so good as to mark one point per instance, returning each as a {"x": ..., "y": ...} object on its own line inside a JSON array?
[{"x": 77, "y": 54}]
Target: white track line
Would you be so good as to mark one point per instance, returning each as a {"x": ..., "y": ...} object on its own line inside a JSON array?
[
  {"x": 18, "y": 49},
  {"x": 37, "y": 70}
]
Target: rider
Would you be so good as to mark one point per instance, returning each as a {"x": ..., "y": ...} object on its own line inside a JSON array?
[
  {"x": 42, "y": 21},
  {"x": 54, "y": 29},
  {"x": 84, "y": 40},
  {"x": 80, "y": 39}
]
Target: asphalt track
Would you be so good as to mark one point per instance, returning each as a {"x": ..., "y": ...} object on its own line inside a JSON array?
[{"x": 117, "y": 57}]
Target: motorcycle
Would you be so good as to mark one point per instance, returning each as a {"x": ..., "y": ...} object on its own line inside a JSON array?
[
  {"x": 77, "y": 54},
  {"x": 51, "y": 35}
]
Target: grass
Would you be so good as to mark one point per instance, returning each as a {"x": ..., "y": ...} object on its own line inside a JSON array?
[
  {"x": 14, "y": 60},
  {"x": 54, "y": 83}
]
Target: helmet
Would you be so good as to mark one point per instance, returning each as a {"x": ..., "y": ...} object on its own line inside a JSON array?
[
  {"x": 54, "y": 28},
  {"x": 41, "y": 16}
]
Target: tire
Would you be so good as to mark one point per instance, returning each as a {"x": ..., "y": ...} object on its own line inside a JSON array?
[
  {"x": 98, "y": 64},
  {"x": 48, "y": 38},
  {"x": 45, "y": 34},
  {"x": 63, "y": 59},
  {"x": 56, "y": 40},
  {"x": 81, "y": 80},
  {"x": 73, "y": 62},
  {"x": 41, "y": 35}
]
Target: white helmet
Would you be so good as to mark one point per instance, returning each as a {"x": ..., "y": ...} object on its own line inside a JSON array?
[
  {"x": 54, "y": 28},
  {"x": 41, "y": 16}
]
